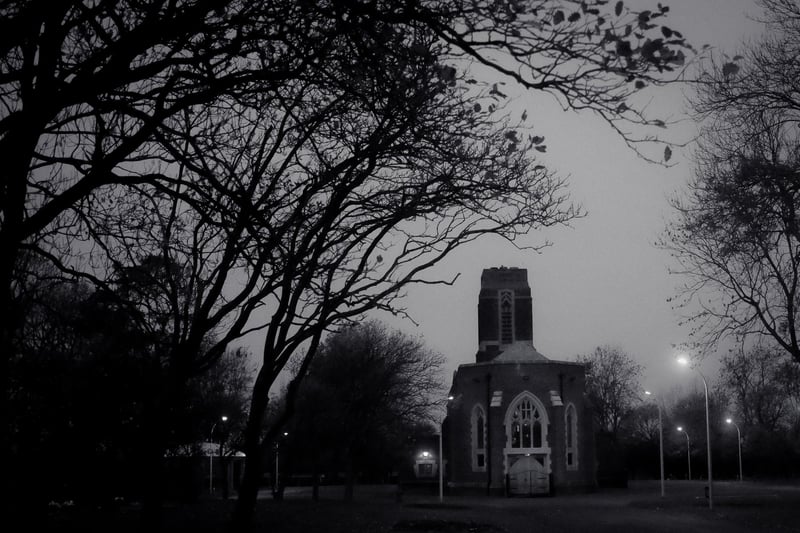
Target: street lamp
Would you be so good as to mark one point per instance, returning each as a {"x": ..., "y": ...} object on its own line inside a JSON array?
[
  {"x": 739, "y": 435},
  {"x": 276, "y": 490},
  {"x": 684, "y": 361},
  {"x": 688, "y": 450},
  {"x": 660, "y": 442},
  {"x": 211, "y": 456},
  {"x": 441, "y": 458}
]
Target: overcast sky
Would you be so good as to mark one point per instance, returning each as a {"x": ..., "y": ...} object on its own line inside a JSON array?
[{"x": 602, "y": 281}]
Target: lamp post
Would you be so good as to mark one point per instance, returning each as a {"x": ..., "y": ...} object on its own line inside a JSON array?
[
  {"x": 441, "y": 474},
  {"x": 223, "y": 418},
  {"x": 660, "y": 442},
  {"x": 682, "y": 360},
  {"x": 739, "y": 435},
  {"x": 276, "y": 491},
  {"x": 688, "y": 451},
  {"x": 441, "y": 457}
]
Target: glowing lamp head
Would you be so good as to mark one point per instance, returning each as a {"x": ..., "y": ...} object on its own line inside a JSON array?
[
  {"x": 729, "y": 421},
  {"x": 648, "y": 393},
  {"x": 285, "y": 433},
  {"x": 680, "y": 428},
  {"x": 224, "y": 418},
  {"x": 425, "y": 454},
  {"x": 451, "y": 397},
  {"x": 683, "y": 360}
]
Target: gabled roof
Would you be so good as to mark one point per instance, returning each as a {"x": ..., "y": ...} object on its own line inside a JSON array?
[{"x": 520, "y": 352}]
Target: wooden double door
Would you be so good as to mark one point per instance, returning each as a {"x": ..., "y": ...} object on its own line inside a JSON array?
[{"x": 528, "y": 475}]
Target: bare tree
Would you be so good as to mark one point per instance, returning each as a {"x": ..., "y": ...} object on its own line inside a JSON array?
[
  {"x": 454, "y": 177},
  {"x": 88, "y": 87},
  {"x": 86, "y": 90},
  {"x": 329, "y": 153},
  {"x": 736, "y": 237},
  {"x": 763, "y": 384},
  {"x": 84, "y": 388},
  {"x": 642, "y": 424},
  {"x": 760, "y": 82},
  {"x": 736, "y": 240},
  {"x": 612, "y": 386},
  {"x": 367, "y": 385}
]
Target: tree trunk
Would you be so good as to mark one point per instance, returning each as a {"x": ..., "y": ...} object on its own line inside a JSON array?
[
  {"x": 159, "y": 419},
  {"x": 253, "y": 444},
  {"x": 9, "y": 244},
  {"x": 17, "y": 146},
  {"x": 154, "y": 427},
  {"x": 248, "y": 494},
  {"x": 152, "y": 484},
  {"x": 254, "y": 459},
  {"x": 286, "y": 472},
  {"x": 7, "y": 448}
]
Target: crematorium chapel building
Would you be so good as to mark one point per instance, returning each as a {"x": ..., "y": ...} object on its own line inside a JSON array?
[{"x": 517, "y": 423}]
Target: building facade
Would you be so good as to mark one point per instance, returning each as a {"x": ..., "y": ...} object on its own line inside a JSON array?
[{"x": 517, "y": 423}]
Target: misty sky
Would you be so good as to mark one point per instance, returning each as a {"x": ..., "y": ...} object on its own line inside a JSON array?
[{"x": 602, "y": 281}]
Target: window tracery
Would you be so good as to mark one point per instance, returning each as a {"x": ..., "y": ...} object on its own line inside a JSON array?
[
  {"x": 571, "y": 426},
  {"x": 478, "y": 439},
  {"x": 526, "y": 425}
]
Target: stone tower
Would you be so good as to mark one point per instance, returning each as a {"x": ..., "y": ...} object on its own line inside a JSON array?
[{"x": 505, "y": 311}]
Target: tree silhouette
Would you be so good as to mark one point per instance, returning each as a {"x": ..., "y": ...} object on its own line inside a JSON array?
[
  {"x": 736, "y": 235},
  {"x": 364, "y": 389},
  {"x": 329, "y": 153}
]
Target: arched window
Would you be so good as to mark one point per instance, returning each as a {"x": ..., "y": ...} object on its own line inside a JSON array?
[
  {"x": 526, "y": 424},
  {"x": 478, "y": 439},
  {"x": 571, "y": 425},
  {"x": 506, "y": 317}
]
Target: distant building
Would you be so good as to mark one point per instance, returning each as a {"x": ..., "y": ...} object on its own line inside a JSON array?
[
  {"x": 426, "y": 458},
  {"x": 517, "y": 423}
]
